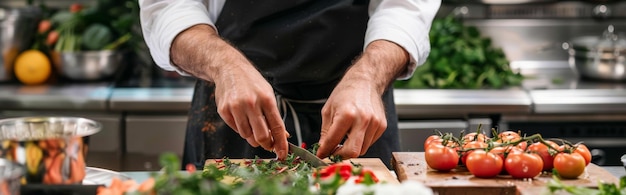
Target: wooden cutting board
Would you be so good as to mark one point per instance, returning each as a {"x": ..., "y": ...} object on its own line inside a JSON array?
[
  {"x": 376, "y": 165},
  {"x": 412, "y": 166}
]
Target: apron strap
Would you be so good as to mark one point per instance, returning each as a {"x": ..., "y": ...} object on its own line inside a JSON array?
[{"x": 285, "y": 103}]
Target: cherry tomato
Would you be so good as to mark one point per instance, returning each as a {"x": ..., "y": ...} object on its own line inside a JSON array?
[
  {"x": 508, "y": 136},
  {"x": 522, "y": 145},
  {"x": 569, "y": 166},
  {"x": 475, "y": 137},
  {"x": 523, "y": 165},
  {"x": 584, "y": 152},
  {"x": 366, "y": 172},
  {"x": 484, "y": 164},
  {"x": 472, "y": 145},
  {"x": 544, "y": 152},
  {"x": 500, "y": 151},
  {"x": 441, "y": 158}
]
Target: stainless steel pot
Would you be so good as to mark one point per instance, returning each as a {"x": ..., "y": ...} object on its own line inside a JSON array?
[
  {"x": 87, "y": 65},
  {"x": 599, "y": 57},
  {"x": 17, "y": 31},
  {"x": 10, "y": 176}
]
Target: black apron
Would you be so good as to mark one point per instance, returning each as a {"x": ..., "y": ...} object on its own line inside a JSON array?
[{"x": 302, "y": 48}]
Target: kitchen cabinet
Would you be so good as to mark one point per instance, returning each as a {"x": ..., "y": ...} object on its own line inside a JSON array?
[{"x": 148, "y": 136}]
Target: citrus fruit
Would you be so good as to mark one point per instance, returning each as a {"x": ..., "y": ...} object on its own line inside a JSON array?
[{"x": 32, "y": 67}]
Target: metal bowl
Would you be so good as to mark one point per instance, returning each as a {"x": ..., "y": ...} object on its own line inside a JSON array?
[
  {"x": 50, "y": 148},
  {"x": 10, "y": 175},
  {"x": 87, "y": 65}
]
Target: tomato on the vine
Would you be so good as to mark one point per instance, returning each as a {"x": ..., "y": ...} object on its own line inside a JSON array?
[
  {"x": 441, "y": 158},
  {"x": 484, "y": 164},
  {"x": 523, "y": 165},
  {"x": 569, "y": 166},
  {"x": 475, "y": 137},
  {"x": 544, "y": 152},
  {"x": 509, "y": 136},
  {"x": 471, "y": 146},
  {"x": 584, "y": 152},
  {"x": 431, "y": 139}
]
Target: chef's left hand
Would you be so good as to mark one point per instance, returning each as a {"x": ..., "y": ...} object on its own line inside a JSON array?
[{"x": 355, "y": 108}]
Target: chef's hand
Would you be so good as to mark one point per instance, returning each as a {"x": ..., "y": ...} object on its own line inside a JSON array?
[
  {"x": 245, "y": 100},
  {"x": 355, "y": 109}
]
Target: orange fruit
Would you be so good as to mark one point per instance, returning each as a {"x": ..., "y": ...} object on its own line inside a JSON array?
[{"x": 32, "y": 67}]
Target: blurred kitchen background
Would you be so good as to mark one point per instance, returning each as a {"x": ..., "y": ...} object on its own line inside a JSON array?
[{"x": 144, "y": 109}]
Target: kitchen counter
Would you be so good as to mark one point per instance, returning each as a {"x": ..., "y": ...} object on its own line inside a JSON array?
[
  {"x": 551, "y": 87},
  {"x": 91, "y": 96}
]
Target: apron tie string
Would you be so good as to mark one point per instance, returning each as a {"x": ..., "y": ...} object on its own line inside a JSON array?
[{"x": 285, "y": 103}]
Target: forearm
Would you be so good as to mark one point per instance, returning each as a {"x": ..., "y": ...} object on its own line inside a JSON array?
[
  {"x": 379, "y": 65},
  {"x": 200, "y": 52}
]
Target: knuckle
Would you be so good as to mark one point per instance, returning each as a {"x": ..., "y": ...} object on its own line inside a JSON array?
[{"x": 352, "y": 153}]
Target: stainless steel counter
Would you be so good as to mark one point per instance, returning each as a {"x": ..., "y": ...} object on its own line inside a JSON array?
[
  {"x": 93, "y": 96},
  {"x": 151, "y": 99}
]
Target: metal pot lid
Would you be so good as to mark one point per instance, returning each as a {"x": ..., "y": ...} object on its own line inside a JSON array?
[{"x": 608, "y": 41}]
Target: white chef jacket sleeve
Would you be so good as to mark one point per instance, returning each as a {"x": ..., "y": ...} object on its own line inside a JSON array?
[
  {"x": 406, "y": 23},
  {"x": 163, "y": 20}
]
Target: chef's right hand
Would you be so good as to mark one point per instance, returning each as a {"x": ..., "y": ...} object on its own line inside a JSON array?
[{"x": 245, "y": 100}]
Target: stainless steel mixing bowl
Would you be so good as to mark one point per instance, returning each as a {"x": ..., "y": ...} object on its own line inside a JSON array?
[{"x": 87, "y": 65}]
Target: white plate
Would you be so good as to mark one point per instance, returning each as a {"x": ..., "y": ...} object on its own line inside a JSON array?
[{"x": 99, "y": 176}]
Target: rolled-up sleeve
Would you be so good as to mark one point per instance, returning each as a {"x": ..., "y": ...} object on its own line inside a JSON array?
[
  {"x": 163, "y": 20},
  {"x": 406, "y": 23}
]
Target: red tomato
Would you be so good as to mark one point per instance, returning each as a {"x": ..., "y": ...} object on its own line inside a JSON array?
[
  {"x": 522, "y": 145},
  {"x": 475, "y": 137},
  {"x": 190, "y": 168},
  {"x": 366, "y": 172},
  {"x": 431, "y": 139},
  {"x": 500, "y": 151},
  {"x": 569, "y": 166},
  {"x": 544, "y": 152},
  {"x": 343, "y": 169},
  {"x": 441, "y": 158},
  {"x": 472, "y": 145},
  {"x": 523, "y": 165},
  {"x": 76, "y": 7},
  {"x": 584, "y": 152},
  {"x": 509, "y": 136},
  {"x": 484, "y": 164}
]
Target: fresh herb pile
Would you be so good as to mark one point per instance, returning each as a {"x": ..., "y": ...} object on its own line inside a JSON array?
[
  {"x": 252, "y": 176},
  {"x": 461, "y": 58},
  {"x": 555, "y": 185}
]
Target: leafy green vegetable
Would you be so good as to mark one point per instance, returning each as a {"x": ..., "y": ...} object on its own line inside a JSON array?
[
  {"x": 96, "y": 37},
  {"x": 461, "y": 58},
  {"x": 555, "y": 185}
]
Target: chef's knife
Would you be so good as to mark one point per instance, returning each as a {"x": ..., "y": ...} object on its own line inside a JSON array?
[{"x": 307, "y": 156}]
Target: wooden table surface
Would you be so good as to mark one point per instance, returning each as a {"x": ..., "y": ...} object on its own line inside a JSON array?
[{"x": 412, "y": 166}]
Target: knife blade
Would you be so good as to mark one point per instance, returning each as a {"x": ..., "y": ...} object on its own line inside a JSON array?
[{"x": 307, "y": 156}]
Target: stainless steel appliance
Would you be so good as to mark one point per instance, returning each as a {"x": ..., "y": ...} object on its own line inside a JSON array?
[
  {"x": 17, "y": 31},
  {"x": 534, "y": 36}
]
